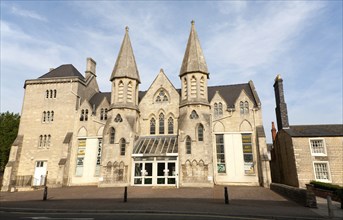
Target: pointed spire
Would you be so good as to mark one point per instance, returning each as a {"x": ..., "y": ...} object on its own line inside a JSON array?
[
  {"x": 194, "y": 60},
  {"x": 126, "y": 64}
]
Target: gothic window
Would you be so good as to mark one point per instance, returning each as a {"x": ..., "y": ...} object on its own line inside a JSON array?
[
  {"x": 152, "y": 126},
  {"x": 102, "y": 114},
  {"x": 188, "y": 145},
  {"x": 194, "y": 115},
  {"x": 52, "y": 116},
  {"x": 40, "y": 141},
  {"x": 48, "y": 141},
  {"x": 122, "y": 147},
  {"x": 55, "y": 93},
  {"x": 44, "y": 116},
  {"x": 170, "y": 125},
  {"x": 47, "y": 94},
  {"x": 82, "y": 116},
  {"x": 161, "y": 123},
  {"x": 86, "y": 115},
  {"x": 112, "y": 135},
  {"x": 200, "y": 132},
  {"x": 185, "y": 87},
  {"x": 44, "y": 141},
  {"x": 105, "y": 114},
  {"x": 193, "y": 87},
  {"x": 244, "y": 108},
  {"x": 48, "y": 116},
  {"x": 129, "y": 92},
  {"x": 220, "y": 109},
  {"x": 50, "y": 93},
  {"x": 202, "y": 87},
  {"x": 241, "y": 107},
  {"x": 118, "y": 118},
  {"x": 216, "y": 113},
  {"x": 120, "y": 91},
  {"x": 162, "y": 96}
]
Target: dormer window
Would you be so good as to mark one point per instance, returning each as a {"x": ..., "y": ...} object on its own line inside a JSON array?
[
  {"x": 162, "y": 96},
  {"x": 218, "y": 109},
  {"x": 244, "y": 107}
]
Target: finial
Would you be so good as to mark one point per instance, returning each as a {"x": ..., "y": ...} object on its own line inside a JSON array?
[
  {"x": 127, "y": 29},
  {"x": 278, "y": 77},
  {"x": 192, "y": 22}
]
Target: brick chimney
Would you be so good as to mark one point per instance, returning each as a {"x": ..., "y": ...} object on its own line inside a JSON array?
[
  {"x": 273, "y": 131},
  {"x": 90, "y": 68},
  {"x": 281, "y": 106}
]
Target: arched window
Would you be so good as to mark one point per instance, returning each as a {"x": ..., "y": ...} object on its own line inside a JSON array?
[
  {"x": 102, "y": 114},
  {"x": 118, "y": 118},
  {"x": 152, "y": 126},
  {"x": 170, "y": 125},
  {"x": 220, "y": 109},
  {"x": 48, "y": 116},
  {"x": 105, "y": 116},
  {"x": 52, "y": 116},
  {"x": 50, "y": 93},
  {"x": 129, "y": 92},
  {"x": 48, "y": 141},
  {"x": 193, "y": 87},
  {"x": 44, "y": 141},
  {"x": 200, "y": 132},
  {"x": 40, "y": 141},
  {"x": 44, "y": 116},
  {"x": 188, "y": 145},
  {"x": 86, "y": 115},
  {"x": 122, "y": 147},
  {"x": 55, "y": 93},
  {"x": 82, "y": 116},
  {"x": 112, "y": 135},
  {"x": 161, "y": 123},
  {"x": 47, "y": 93},
  {"x": 162, "y": 96},
  {"x": 202, "y": 87},
  {"x": 216, "y": 112},
  {"x": 185, "y": 88},
  {"x": 246, "y": 107},
  {"x": 120, "y": 91},
  {"x": 194, "y": 115},
  {"x": 241, "y": 107}
]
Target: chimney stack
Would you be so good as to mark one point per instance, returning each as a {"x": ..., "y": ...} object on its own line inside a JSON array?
[
  {"x": 90, "y": 69},
  {"x": 281, "y": 106}
]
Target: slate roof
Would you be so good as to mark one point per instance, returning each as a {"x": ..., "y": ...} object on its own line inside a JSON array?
[
  {"x": 333, "y": 130},
  {"x": 193, "y": 60},
  {"x": 98, "y": 97},
  {"x": 126, "y": 64},
  {"x": 230, "y": 93},
  {"x": 65, "y": 70}
]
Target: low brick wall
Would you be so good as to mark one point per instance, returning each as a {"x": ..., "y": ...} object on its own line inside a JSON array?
[{"x": 300, "y": 196}]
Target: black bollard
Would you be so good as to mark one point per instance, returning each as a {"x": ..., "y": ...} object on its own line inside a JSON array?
[
  {"x": 45, "y": 194},
  {"x": 125, "y": 194},
  {"x": 226, "y": 195}
]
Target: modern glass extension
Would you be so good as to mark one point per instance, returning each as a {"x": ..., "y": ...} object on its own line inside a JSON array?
[{"x": 155, "y": 161}]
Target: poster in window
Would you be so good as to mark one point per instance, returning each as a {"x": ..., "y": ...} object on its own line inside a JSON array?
[
  {"x": 221, "y": 168},
  {"x": 249, "y": 168}
]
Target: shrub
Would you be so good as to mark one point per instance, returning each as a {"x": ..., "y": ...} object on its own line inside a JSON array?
[{"x": 336, "y": 189}]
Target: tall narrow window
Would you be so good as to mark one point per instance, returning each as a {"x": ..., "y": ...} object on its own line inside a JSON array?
[
  {"x": 216, "y": 112},
  {"x": 102, "y": 114},
  {"x": 200, "y": 132},
  {"x": 152, "y": 126},
  {"x": 55, "y": 93},
  {"x": 221, "y": 166},
  {"x": 220, "y": 109},
  {"x": 44, "y": 141},
  {"x": 50, "y": 93},
  {"x": 188, "y": 145},
  {"x": 161, "y": 123},
  {"x": 246, "y": 107},
  {"x": 129, "y": 92},
  {"x": 193, "y": 87},
  {"x": 185, "y": 92},
  {"x": 202, "y": 87},
  {"x": 105, "y": 114},
  {"x": 241, "y": 107},
  {"x": 112, "y": 135},
  {"x": 122, "y": 147},
  {"x": 86, "y": 115},
  {"x": 40, "y": 141},
  {"x": 248, "y": 154},
  {"x": 47, "y": 94},
  {"x": 82, "y": 116},
  {"x": 52, "y": 116},
  {"x": 48, "y": 116},
  {"x": 44, "y": 116},
  {"x": 170, "y": 125},
  {"x": 48, "y": 141},
  {"x": 120, "y": 91}
]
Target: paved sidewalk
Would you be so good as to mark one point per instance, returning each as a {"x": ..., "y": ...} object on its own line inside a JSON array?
[{"x": 244, "y": 201}]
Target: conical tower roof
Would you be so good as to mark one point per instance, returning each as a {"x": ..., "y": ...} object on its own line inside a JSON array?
[
  {"x": 194, "y": 60},
  {"x": 126, "y": 64}
]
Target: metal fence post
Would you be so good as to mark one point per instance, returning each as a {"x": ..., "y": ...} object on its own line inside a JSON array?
[
  {"x": 226, "y": 195},
  {"x": 45, "y": 193},
  {"x": 330, "y": 210},
  {"x": 125, "y": 194}
]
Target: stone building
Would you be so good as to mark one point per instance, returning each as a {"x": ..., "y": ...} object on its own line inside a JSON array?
[
  {"x": 302, "y": 153},
  {"x": 198, "y": 135}
]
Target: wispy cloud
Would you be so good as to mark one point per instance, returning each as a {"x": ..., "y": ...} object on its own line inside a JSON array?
[{"x": 27, "y": 13}]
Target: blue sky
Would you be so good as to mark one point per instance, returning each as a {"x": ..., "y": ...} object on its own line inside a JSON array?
[{"x": 241, "y": 40}]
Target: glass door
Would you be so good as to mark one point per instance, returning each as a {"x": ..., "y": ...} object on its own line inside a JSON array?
[
  {"x": 166, "y": 173},
  {"x": 143, "y": 173}
]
